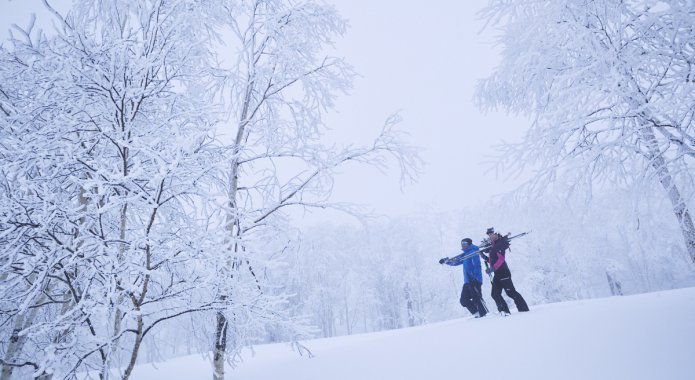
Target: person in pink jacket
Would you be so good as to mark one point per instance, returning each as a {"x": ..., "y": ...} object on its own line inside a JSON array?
[{"x": 502, "y": 275}]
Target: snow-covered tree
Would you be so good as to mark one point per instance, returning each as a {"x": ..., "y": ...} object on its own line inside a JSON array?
[
  {"x": 380, "y": 275},
  {"x": 609, "y": 87},
  {"x": 105, "y": 142},
  {"x": 122, "y": 211},
  {"x": 277, "y": 82}
]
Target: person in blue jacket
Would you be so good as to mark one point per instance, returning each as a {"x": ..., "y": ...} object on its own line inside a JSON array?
[{"x": 471, "y": 295}]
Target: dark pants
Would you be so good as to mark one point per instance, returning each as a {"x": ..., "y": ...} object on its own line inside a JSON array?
[
  {"x": 506, "y": 283},
  {"x": 472, "y": 298}
]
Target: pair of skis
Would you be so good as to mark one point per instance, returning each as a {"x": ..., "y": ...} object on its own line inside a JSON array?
[{"x": 485, "y": 248}]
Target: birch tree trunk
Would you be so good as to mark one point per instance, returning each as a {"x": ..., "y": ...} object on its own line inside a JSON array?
[
  {"x": 232, "y": 229},
  {"x": 679, "y": 207},
  {"x": 16, "y": 343},
  {"x": 220, "y": 345}
]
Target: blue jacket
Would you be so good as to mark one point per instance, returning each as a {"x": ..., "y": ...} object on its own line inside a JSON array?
[{"x": 471, "y": 266}]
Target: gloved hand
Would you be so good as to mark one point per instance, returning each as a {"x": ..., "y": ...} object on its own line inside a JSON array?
[
  {"x": 442, "y": 261},
  {"x": 489, "y": 270}
]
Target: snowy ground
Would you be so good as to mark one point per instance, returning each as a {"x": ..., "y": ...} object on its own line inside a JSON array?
[{"x": 647, "y": 336}]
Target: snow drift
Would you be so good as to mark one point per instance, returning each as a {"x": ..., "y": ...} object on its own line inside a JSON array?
[{"x": 647, "y": 336}]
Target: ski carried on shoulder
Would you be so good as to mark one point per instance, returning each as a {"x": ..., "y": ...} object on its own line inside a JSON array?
[{"x": 485, "y": 248}]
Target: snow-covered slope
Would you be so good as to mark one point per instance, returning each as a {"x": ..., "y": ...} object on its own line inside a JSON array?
[{"x": 647, "y": 336}]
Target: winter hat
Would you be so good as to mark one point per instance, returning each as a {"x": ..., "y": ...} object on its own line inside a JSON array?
[{"x": 490, "y": 230}]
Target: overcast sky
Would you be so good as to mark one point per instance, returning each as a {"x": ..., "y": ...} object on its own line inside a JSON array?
[{"x": 424, "y": 60}]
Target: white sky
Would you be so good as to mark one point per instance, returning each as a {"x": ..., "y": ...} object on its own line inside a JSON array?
[{"x": 424, "y": 60}]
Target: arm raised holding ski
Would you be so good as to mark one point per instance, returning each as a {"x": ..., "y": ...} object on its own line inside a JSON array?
[{"x": 471, "y": 296}]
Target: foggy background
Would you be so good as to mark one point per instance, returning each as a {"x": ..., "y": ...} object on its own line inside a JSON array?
[{"x": 422, "y": 61}]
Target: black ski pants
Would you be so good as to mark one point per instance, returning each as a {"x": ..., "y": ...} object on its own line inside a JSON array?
[
  {"x": 472, "y": 298},
  {"x": 506, "y": 283}
]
